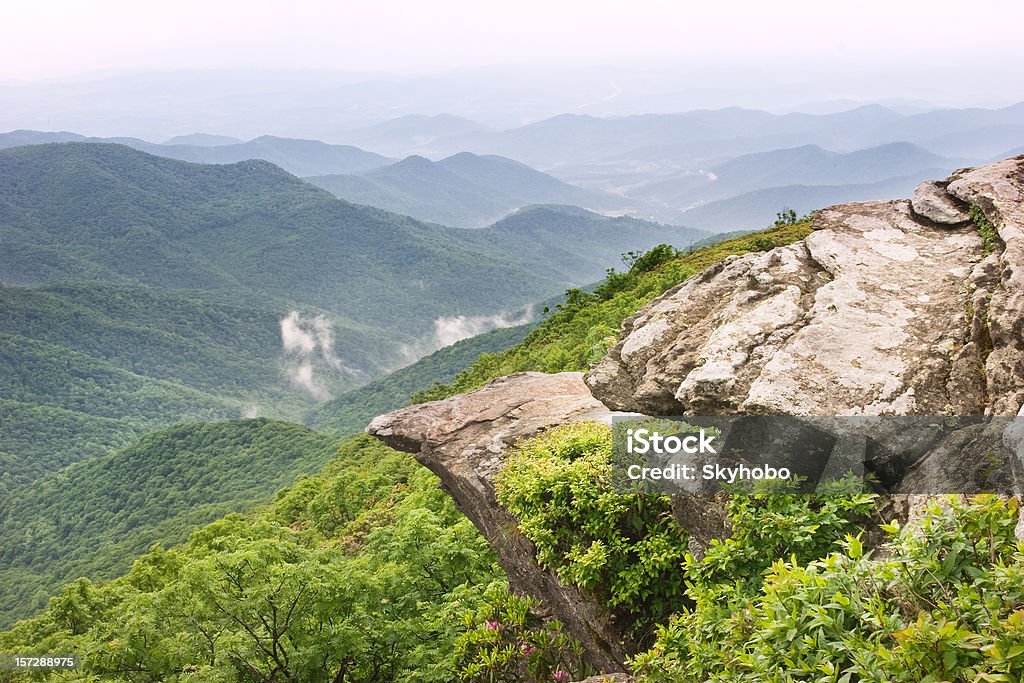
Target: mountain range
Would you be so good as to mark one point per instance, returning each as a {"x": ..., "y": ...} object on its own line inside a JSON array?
[
  {"x": 458, "y": 172},
  {"x": 140, "y": 291},
  {"x": 464, "y": 190},
  {"x": 300, "y": 157}
]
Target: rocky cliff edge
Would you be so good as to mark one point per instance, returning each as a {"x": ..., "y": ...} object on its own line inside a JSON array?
[{"x": 887, "y": 308}]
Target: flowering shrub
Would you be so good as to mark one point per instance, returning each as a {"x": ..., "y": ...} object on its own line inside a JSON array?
[{"x": 506, "y": 642}]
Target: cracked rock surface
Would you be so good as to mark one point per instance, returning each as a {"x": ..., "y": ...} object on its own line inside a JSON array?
[{"x": 888, "y": 307}]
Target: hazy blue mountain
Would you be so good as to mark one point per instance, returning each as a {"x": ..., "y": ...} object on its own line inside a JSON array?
[
  {"x": 572, "y": 139},
  {"x": 577, "y": 243},
  {"x": 949, "y": 122},
  {"x": 569, "y": 145},
  {"x": 464, "y": 190},
  {"x": 16, "y": 138},
  {"x": 203, "y": 140},
  {"x": 984, "y": 143},
  {"x": 806, "y": 165},
  {"x": 758, "y": 208}
]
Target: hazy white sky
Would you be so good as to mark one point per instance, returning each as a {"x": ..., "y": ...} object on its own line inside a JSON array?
[{"x": 45, "y": 39}]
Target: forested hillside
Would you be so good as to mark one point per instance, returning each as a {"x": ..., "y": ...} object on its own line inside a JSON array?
[
  {"x": 338, "y": 516},
  {"x": 93, "y": 517},
  {"x": 100, "y": 212},
  {"x": 366, "y": 572},
  {"x": 140, "y": 291},
  {"x": 369, "y": 569}
]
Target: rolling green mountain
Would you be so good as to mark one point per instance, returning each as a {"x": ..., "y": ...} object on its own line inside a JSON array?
[
  {"x": 99, "y": 212},
  {"x": 464, "y": 190},
  {"x": 301, "y": 157},
  {"x": 576, "y": 243},
  {"x": 142, "y": 291},
  {"x": 91, "y": 518},
  {"x": 17, "y": 138}
]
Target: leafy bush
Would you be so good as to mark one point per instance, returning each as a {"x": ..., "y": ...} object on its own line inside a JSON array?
[
  {"x": 945, "y": 604},
  {"x": 506, "y": 642},
  {"x": 988, "y": 233},
  {"x": 626, "y": 549}
]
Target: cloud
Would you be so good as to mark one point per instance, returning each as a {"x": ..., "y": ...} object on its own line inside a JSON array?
[
  {"x": 451, "y": 329},
  {"x": 448, "y": 330},
  {"x": 308, "y": 342}
]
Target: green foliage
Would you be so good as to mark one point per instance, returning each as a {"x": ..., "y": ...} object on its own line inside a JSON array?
[
  {"x": 786, "y": 216},
  {"x": 945, "y": 602},
  {"x": 775, "y": 524},
  {"x": 625, "y": 549},
  {"x": 364, "y": 572},
  {"x": 506, "y": 642},
  {"x": 92, "y": 518},
  {"x": 582, "y": 329},
  {"x": 988, "y": 233}
]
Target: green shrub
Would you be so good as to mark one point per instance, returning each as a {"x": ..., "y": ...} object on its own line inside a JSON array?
[
  {"x": 946, "y": 604},
  {"x": 625, "y": 549},
  {"x": 988, "y": 233},
  {"x": 506, "y": 642}
]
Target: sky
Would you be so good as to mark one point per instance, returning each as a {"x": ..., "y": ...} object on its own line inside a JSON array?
[{"x": 71, "y": 39}]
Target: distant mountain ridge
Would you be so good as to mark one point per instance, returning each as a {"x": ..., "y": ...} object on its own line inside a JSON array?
[
  {"x": 464, "y": 190},
  {"x": 806, "y": 165},
  {"x": 759, "y": 207},
  {"x": 299, "y": 157}
]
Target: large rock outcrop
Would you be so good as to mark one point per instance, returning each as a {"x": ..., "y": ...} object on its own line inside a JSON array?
[
  {"x": 462, "y": 440},
  {"x": 887, "y": 308}
]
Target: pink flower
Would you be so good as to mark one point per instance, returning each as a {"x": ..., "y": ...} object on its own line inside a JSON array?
[
  {"x": 527, "y": 649},
  {"x": 491, "y": 625},
  {"x": 561, "y": 675}
]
